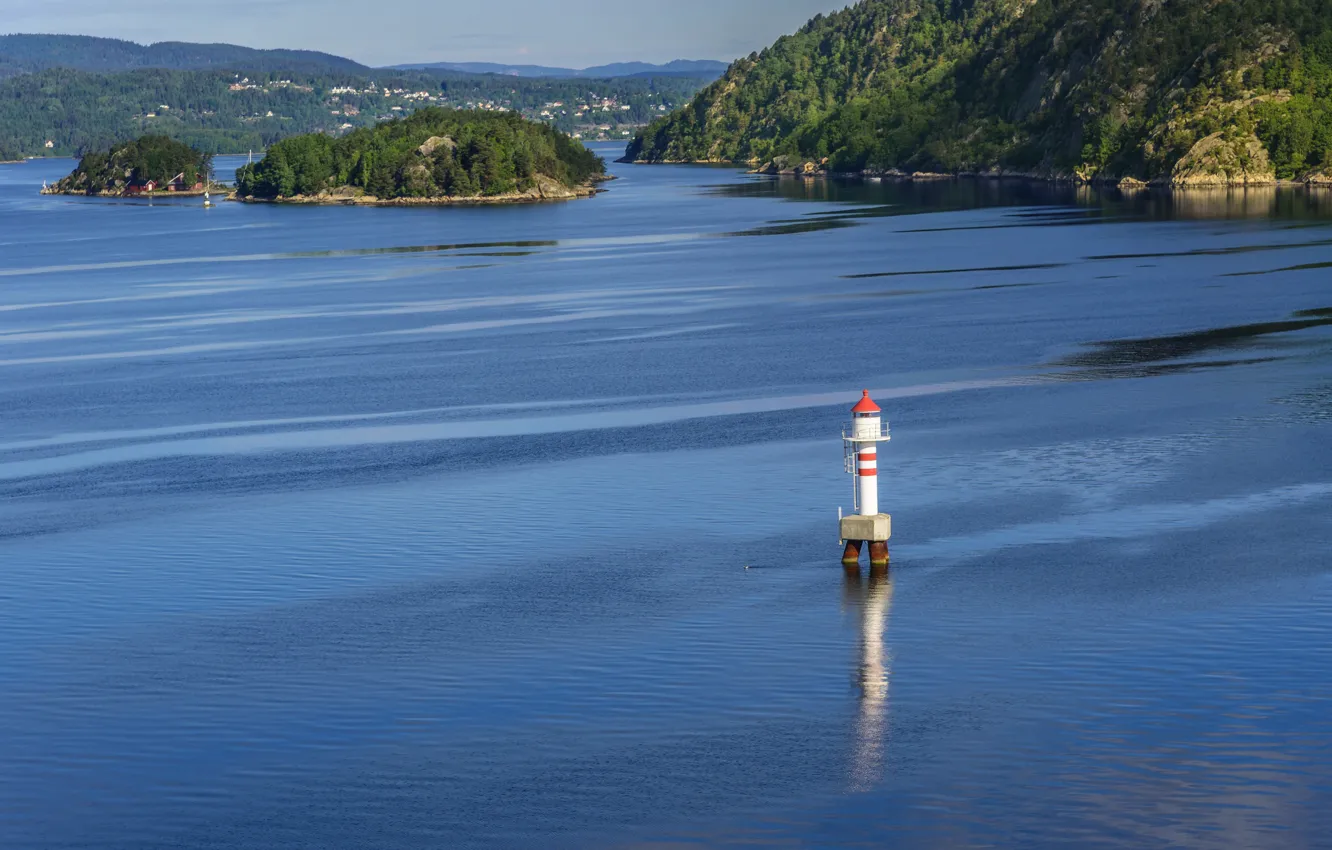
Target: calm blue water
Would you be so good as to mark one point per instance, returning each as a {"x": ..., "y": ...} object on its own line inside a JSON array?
[{"x": 329, "y": 527}]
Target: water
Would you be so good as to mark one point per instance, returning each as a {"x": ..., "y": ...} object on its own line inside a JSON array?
[{"x": 328, "y": 527}]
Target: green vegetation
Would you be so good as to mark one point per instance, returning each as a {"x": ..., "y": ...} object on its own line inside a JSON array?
[
  {"x": 81, "y": 112},
  {"x": 233, "y": 112},
  {"x": 433, "y": 153},
  {"x": 154, "y": 158},
  {"x": 1190, "y": 91}
]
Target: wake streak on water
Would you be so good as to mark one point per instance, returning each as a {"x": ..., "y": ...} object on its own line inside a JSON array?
[
  {"x": 480, "y": 428},
  {"x": 572, "y": 244},
  {"x": 1137, "y": 521}
]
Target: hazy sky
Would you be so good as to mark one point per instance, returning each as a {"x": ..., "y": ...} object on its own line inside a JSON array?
[{"x": 575, "y": 33}]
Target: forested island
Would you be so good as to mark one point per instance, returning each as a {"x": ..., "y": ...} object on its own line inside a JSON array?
[
  {"x": 434, "y": 156},
  {"x": 145, "y": 166},
  {"x": 1185, "y": 93}
]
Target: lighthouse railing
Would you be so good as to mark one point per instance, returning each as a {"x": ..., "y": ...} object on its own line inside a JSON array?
[{"x": 883, "y": 436}]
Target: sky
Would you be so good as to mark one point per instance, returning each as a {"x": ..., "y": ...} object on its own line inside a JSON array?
[{"x": 572, "y": 33}]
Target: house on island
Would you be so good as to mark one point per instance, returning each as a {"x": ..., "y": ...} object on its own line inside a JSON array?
[
  {"x": 175, "y": 184},
  {"x": 178, "y": 184}
]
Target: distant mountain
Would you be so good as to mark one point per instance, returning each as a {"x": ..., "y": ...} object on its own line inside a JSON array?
[
  {"x": 33, "y": 53},
  {"x": 676, "y": 67},
  {"x": 80, "y": 111},
  {"x": 703, "y": 68},
  {"x": 70, "y": 94}
]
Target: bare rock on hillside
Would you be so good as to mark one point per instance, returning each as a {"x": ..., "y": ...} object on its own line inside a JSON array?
[
  {"x": 434, "y": 143},
  {"x": 1218, "y": 161}
]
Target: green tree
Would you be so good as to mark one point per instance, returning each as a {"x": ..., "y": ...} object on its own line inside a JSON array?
[
  {"x": 1096, "y": 86},
  {"x": 432, "y": 152}
]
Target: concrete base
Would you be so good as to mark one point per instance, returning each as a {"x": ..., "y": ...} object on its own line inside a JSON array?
[{"x": 874, "y": 529}]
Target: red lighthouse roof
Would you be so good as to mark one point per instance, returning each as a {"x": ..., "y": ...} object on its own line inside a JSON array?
[{"x": 866, "y": 405}]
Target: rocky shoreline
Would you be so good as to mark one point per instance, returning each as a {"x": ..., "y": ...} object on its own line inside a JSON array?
[
  {"x": 1214, "y": 162},
  {"x": 1126, "y": 184},
  {"x": 545, "y": 190},
  {"x": 184, "y": 193}
]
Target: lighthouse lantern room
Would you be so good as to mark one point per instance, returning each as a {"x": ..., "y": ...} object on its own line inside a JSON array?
[{"x": 861, "y": 452}]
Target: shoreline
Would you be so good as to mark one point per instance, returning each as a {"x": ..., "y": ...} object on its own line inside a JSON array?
[
  {"x": 544, "y": 193},
  {"x": 219, "y": 191},
  {"x": 1127, "y": 184},
  {"x": 812, "y": 172}
]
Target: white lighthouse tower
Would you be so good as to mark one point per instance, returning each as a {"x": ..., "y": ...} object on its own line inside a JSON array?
[{"x": 861, "y": 444}]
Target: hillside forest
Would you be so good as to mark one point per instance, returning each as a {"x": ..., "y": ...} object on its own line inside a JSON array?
[{"x": 1183, "y": 91}]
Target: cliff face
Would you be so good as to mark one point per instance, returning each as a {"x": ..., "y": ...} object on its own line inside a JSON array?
[{"x": 1189, "y": 92}]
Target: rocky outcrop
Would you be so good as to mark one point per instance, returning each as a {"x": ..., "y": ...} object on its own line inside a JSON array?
[
  {"x": 549, "y": 189},
  {"x": 1220, "y": 161},
  {"x": 790, "y": 165},
  {"x": 434, "y": 143}
]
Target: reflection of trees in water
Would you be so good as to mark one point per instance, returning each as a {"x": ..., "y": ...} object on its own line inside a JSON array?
[
  {"x": 902, "y": 197},
  {"x": 1229, "y": 202},
  {"x": 874, "y": 601},
  {"x": 1150, "y": 356}
]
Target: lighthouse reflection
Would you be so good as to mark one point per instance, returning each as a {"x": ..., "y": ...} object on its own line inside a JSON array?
[{"x": 874, "y": 600}]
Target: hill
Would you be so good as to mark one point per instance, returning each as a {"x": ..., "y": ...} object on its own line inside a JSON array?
[
  {"x": 151, "y": 159},
  {"x": 30, "y": 53},
  {"x": 1178, "y": 91},
  {"x": 702, "y": 68},
  {"x": 434, "y": 156},
  {"x": 232, "y": 112}
]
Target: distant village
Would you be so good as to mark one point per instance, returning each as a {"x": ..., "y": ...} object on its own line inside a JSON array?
[{"x": 591, "y": 116}]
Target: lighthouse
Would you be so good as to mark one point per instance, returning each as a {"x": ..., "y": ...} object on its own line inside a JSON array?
[{"x": 861, "y": 451}]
